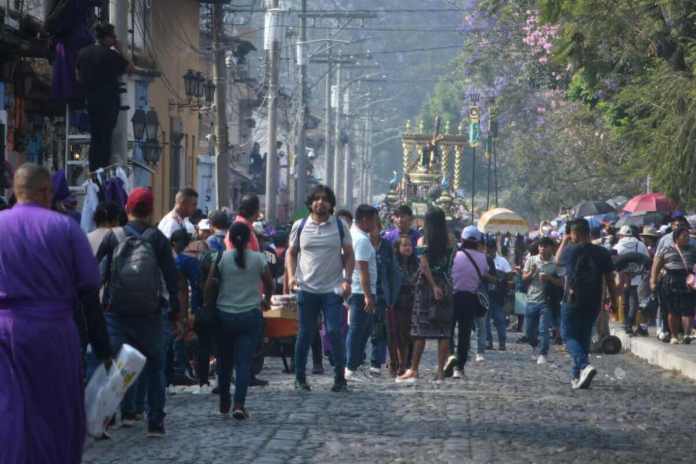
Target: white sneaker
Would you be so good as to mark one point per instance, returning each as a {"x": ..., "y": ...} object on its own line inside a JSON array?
[
  {"x": 203, "y": 390},
  {"x": 575, "y": 384},
  {"x": 171, "y": 390},
  {"x": 479, "y": 358},
  {"x": 458, "y": 374},
  {"x": 674, "y": 341},
  {"x": 353, "y": 375},
  {"x": 450, "y": 363},
  {"x": 541, "y": 359},
  {"x": 375, "y": 372},
  {"x": 586, "y": 376}
]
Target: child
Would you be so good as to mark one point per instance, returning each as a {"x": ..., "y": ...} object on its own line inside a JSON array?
[{"x": 399, "y": 318}]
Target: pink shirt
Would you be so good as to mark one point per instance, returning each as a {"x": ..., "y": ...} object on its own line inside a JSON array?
[
  {"x": 253, "y": 244},
  {"x": 464, "y": 275}
]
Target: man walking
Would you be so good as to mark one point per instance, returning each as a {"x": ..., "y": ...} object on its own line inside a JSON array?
[
  {"x": 46, "y": 269},
  {"x": 500, "y": 269},
  {"x": 319, "y": 257},
  {"x": 631, "y": 277},
  {"x": 540, "y": 272},
  {"x": 138, "y": 257},
  {"x": 100, "y": 67},
  {"x": 363, "y": 300},
  {"x": 588, "y": 268},
  {"x": 186, "y": 203}
]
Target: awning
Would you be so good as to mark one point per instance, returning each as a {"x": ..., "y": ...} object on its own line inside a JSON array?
[{"x": 502, "y": 220}]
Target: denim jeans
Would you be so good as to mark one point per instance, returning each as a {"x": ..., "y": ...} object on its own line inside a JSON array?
[
  {"x": 538, "y": 321},
  {"x": 379, "y": 339},
  {"x": 359, "y": 330},
  {"x": 144, "y": 334},
  {"x": 577, "y": 324},
  {"x": 238, "y": 335},
  {"x": 480, "y": 324},
  {"x": 496, "y": 314},
  {"x": 309, "y": 305}
]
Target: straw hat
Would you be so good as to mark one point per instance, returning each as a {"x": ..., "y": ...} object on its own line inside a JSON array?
[{"x": 649, "y": 231}]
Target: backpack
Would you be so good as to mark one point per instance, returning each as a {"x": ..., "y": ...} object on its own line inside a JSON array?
[
  {"x": 585, "y": 284},
  {"x": 136, "y": 281}
]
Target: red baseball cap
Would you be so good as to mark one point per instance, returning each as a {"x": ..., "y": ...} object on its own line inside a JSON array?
[{"x": 142, "y": 199}]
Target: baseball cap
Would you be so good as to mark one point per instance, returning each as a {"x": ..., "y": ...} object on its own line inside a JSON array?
[
  {"x": 142, "y": 200},
  {"x": 204, "y": 224},
  {"x": 471, "y": 233},
  {"x": 625, "y": 231}
]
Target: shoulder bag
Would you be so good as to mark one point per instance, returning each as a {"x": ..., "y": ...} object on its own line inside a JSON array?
[
  {"x": 481, "y": 293},
  {"x": 690, "y": 277},
  {"x": 209, "y": 312}
]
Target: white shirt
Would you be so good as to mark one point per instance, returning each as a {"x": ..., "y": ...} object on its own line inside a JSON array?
[
  {"x": 631, "y": 245},
  {"x": 364, "y": 251},
  {"x": 502, "y": 264},
  {"x": 173, "y": 222}
]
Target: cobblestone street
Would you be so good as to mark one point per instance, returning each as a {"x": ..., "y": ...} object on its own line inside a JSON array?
[{"x": 506, "y": 410}]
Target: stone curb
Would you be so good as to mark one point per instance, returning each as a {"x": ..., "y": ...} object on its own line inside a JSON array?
[{"x": 681, "y": 358}]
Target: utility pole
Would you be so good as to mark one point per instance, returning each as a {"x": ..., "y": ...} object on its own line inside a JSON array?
[
  {"x": 118, "y": 14},
  {"x": 328, "y": 135},
  {"x": 220, "y": 115},
  {"x": 348, "y": 171},
  {"x": 300, "y": 149},
  {"x": 337, "y": 141},
  {"x": 273, "y": 45},
  {"x": 368, "y": 176}
]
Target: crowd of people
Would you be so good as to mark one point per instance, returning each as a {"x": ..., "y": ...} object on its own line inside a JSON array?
[{"x": 189, "y": 293}]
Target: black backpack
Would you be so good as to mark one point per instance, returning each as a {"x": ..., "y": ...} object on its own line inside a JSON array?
[
  {"x": 136, "y": 280},
  {"x": 585, "y": 283}
]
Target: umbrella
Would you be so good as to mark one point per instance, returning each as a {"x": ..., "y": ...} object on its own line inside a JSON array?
[
  {"x": 592, "y": 208},
  {"x": 650, "y": 202},
  {"x": 642, "y": 219},
  {"x": 618, "y": 202},
  {"x": 501, "y": 220}
]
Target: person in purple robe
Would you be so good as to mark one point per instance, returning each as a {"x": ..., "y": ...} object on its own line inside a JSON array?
[{"x": 46, "y": 269}]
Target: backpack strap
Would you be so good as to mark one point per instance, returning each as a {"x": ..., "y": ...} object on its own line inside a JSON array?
[
  {"x": 299, "y": 232},
  {"x": 120, "y": 234},
  {"x": 478, "y": 271},
  {"x": 341, "y": 232},
  {"x": 130, "y": 230}
]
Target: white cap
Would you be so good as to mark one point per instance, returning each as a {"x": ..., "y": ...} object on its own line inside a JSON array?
[
  {"x": 626, "y": 231},
  {"x": 204, "y": 224}
]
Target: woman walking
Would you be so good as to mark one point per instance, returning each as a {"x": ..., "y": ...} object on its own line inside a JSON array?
[
  {"x": 432, "y": 310},
  {"x": 240, "y": 320},
  {"x": 675, "y": 296},
  {"x": 399, "y": 317},
  {"x": 470, "y": 267}
]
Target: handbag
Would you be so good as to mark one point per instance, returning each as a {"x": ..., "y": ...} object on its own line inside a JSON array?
[
  {"x": 209, "y": 312},
  {"x": 690, "y": 277},
  {"x": 439, "y": 312},
  {"x": 484, "y": 303}
]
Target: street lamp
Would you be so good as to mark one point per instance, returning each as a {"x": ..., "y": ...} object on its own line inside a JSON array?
[
  {"x": 200, "y": 81},
  {"x": 209, "y": 92},
  {"x": 146, "y": 132},
  {"x": 190, "y": 83}
]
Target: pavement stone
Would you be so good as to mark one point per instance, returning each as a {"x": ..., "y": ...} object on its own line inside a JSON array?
[{"x": 506, "y": 409}]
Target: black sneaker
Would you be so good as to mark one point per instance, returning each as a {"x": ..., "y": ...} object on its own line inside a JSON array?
[
  {"x": 489, "y": 346},
  {"x": 184, "y": 381},
  {"x": 240, "y": 413},
  {"x": 155, "y": 430},
  {"x": 302, "y": 385},
  {"x": 318, "y": 370},
  {"x": 225, "y": 404},
  {"x": 450, "y": 365},
  {"x": 340, "y": 386},
  {"x": 642, "y": 331},
  {"x": 501, "y": 348},
  {"x": 258, "y": 382}
]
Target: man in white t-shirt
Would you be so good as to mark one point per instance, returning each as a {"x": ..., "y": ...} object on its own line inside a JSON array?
[
  {"x": 362, "y": 302},
  {"x": 496, "y": 296},
  {"x": 186, "y": 203}
]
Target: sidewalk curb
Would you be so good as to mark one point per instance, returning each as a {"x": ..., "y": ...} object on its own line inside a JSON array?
[{"x": 681, "y": 358}]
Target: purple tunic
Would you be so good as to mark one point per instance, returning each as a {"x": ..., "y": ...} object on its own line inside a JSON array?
[{"x": 45, "y": 259}]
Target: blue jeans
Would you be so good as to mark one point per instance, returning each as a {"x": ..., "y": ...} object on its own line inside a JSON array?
[
  {"x": 145, "y": 334},
  {"x": 496, "y": 313},
  {"x": 379, "y": 336},
  {"x": 309, "y": 305},
  {"x": 537, "y": 319},
  {"x": 238, "y": 336},
  {"x": 577, "y": 324},
  {"x": 360, "y": 322}
]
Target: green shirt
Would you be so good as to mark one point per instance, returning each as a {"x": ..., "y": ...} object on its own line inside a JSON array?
[{"x": 239, "y": 288}]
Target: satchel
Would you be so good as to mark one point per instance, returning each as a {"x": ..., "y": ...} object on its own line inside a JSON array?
[
  {"x": 209, "y": 312},
  {"x": 690, "y": 277},
  {"x": 481, "y": 293}
]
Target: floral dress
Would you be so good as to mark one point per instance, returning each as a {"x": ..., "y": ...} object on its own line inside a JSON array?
[{"x": 424, "y": 324}]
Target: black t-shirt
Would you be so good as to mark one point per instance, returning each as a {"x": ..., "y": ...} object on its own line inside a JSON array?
[
  {"x": 594, "y": 262},
  {"x": 99, "y": 69}
]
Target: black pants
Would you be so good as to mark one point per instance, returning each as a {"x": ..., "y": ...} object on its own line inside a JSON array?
[
  {"x": 205, "y": 349},
  {"x": 103, "y": 114},
  {"x": 465, "y": 307},
  {"x": 631, "y": 306}
]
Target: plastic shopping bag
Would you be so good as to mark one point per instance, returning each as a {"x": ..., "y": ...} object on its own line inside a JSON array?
[{"x": 106, "y": 390}]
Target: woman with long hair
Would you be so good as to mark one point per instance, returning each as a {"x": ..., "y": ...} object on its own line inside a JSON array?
[
  {"x": 240, "y": 320},
  {"x": 432, "y": 309}
]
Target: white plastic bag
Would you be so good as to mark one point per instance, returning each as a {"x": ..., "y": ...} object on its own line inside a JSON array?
[{"x": 106, "y": 390}]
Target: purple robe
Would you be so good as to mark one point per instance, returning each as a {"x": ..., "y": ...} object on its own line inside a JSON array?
[{"x": 45, "y": 260}]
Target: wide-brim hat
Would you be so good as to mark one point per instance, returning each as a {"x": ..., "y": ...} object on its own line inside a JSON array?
[{"x": 649, "y": 231}]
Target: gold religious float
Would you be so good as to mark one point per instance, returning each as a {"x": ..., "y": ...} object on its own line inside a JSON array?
[{"x": 428, "y": 174}]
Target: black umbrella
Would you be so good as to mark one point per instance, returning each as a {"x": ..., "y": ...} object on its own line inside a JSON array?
[
  {"x": 641, "y": 220},
  {"x": 593, "y": 208}
]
